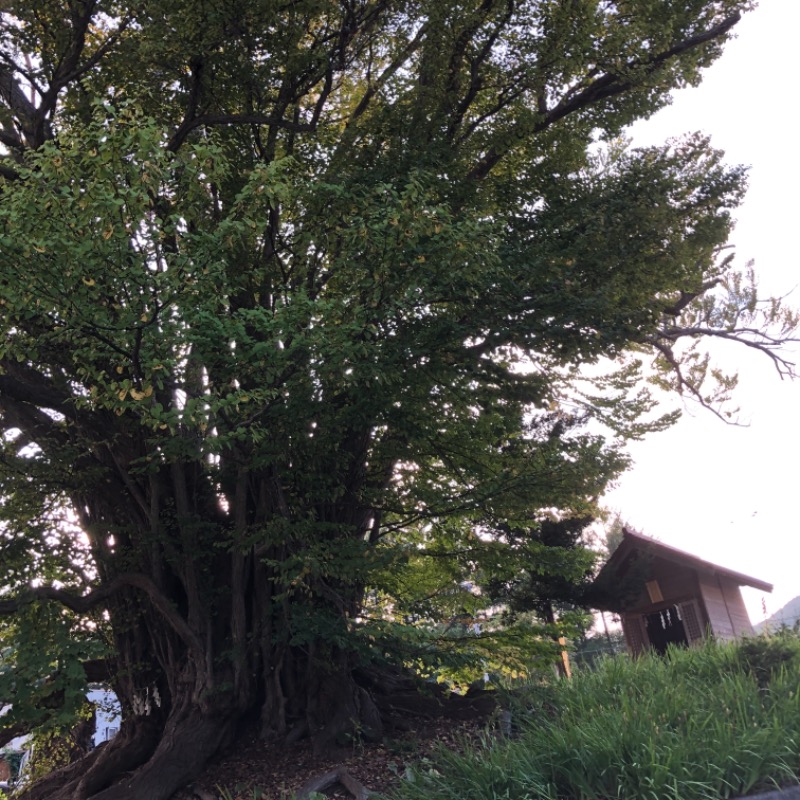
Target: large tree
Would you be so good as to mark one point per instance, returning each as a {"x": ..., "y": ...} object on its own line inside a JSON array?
[{"x": 294, "y": 294}]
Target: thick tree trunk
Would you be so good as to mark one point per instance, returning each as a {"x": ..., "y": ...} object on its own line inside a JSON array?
[
  {"x": 164, "y": 745},
  {"x": 208, "y": 639},
  {"x": 338, "y": 710}
]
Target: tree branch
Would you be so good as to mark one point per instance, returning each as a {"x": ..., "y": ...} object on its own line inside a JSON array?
[
  {"x": 610, "y": 84},
  {"x": 373, "y": 87},
  {"x": 179, "y": 137},
  {"x": 78, "y": 70},
  {"x": 10, "y": 139},
  {"x": 10, "y": 732},
  {"x": 606, "y": 86},
  {"x": 750, "y": 337},
  {"x": 8, "y": 173},
  {"x": 685, "y": 383},
  {"x": 82, "y": 604},
  {"x": 678, "y": 305},
  {"x": 17, "y": 103},
  {"x": 34, "y": 423},
  {"x": 29, "y": 386}
]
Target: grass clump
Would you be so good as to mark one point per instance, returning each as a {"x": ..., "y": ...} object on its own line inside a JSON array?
[{"x": 715, "y": 722}]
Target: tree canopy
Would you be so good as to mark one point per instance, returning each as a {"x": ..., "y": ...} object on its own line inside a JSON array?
[{"x": 324, "y": 323}]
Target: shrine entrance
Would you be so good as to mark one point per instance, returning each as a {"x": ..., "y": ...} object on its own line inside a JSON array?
[{"x": 665, "y": 627}]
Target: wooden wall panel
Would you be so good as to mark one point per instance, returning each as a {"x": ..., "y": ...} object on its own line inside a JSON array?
[
  {"x": 736, "y": 607},
  {"x": 674, "y": 581},
  {"x": 717, "y": 608},
  {"x": 635, "y": 634}
]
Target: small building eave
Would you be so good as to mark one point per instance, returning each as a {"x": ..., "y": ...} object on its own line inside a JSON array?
[{"x": 634, "y": 541}]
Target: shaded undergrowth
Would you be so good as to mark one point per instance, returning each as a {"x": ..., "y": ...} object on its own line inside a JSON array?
[{"x": 716, "y": 721}]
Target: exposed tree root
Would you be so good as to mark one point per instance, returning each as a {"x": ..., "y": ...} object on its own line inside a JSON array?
[
  {"x": 185, "y": 747},
  {"x": 81, "y": 779},
  {"x": 151, "y": 760},
  {"x": 339, "y": 775},
  {"x": 56, "y": 784},
  {"x": 152, "y": 763},
  {"x": 124, "y": 753}
]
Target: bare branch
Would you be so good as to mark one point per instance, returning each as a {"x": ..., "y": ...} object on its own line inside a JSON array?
[
  {"x": 684, "y": 383},
  {"x": 750, "y": 337},
  {"x": 78, "y": 70},
  {"x": 33, "y": 422}
]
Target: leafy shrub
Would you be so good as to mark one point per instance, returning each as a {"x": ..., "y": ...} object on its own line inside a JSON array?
[{"x": 766, "y": 656}]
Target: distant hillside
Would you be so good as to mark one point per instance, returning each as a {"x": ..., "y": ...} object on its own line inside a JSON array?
[{"x": 787, "y": 615}]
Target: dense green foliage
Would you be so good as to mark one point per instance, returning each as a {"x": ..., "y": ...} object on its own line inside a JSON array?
[
  {"x": 298, "y": 302},
  {"x": 696, "y": 725}
]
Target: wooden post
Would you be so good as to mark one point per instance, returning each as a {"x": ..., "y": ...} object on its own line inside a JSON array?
[{"x": 564, "y": 668}]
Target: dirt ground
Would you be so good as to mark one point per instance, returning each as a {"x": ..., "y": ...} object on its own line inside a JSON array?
[{"x": 259, "y": 769}]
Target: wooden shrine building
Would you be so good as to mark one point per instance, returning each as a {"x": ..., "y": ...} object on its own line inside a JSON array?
[{"x": 673, "y": 597}]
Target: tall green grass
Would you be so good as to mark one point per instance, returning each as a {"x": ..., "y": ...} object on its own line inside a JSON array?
[{"x": 712, "y": 722}]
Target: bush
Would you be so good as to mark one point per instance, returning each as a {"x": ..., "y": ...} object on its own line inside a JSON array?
[{"x": 766, "y": 656}]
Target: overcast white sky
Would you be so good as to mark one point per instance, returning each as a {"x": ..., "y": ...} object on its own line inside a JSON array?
[{"x": 727, "y": 494}]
